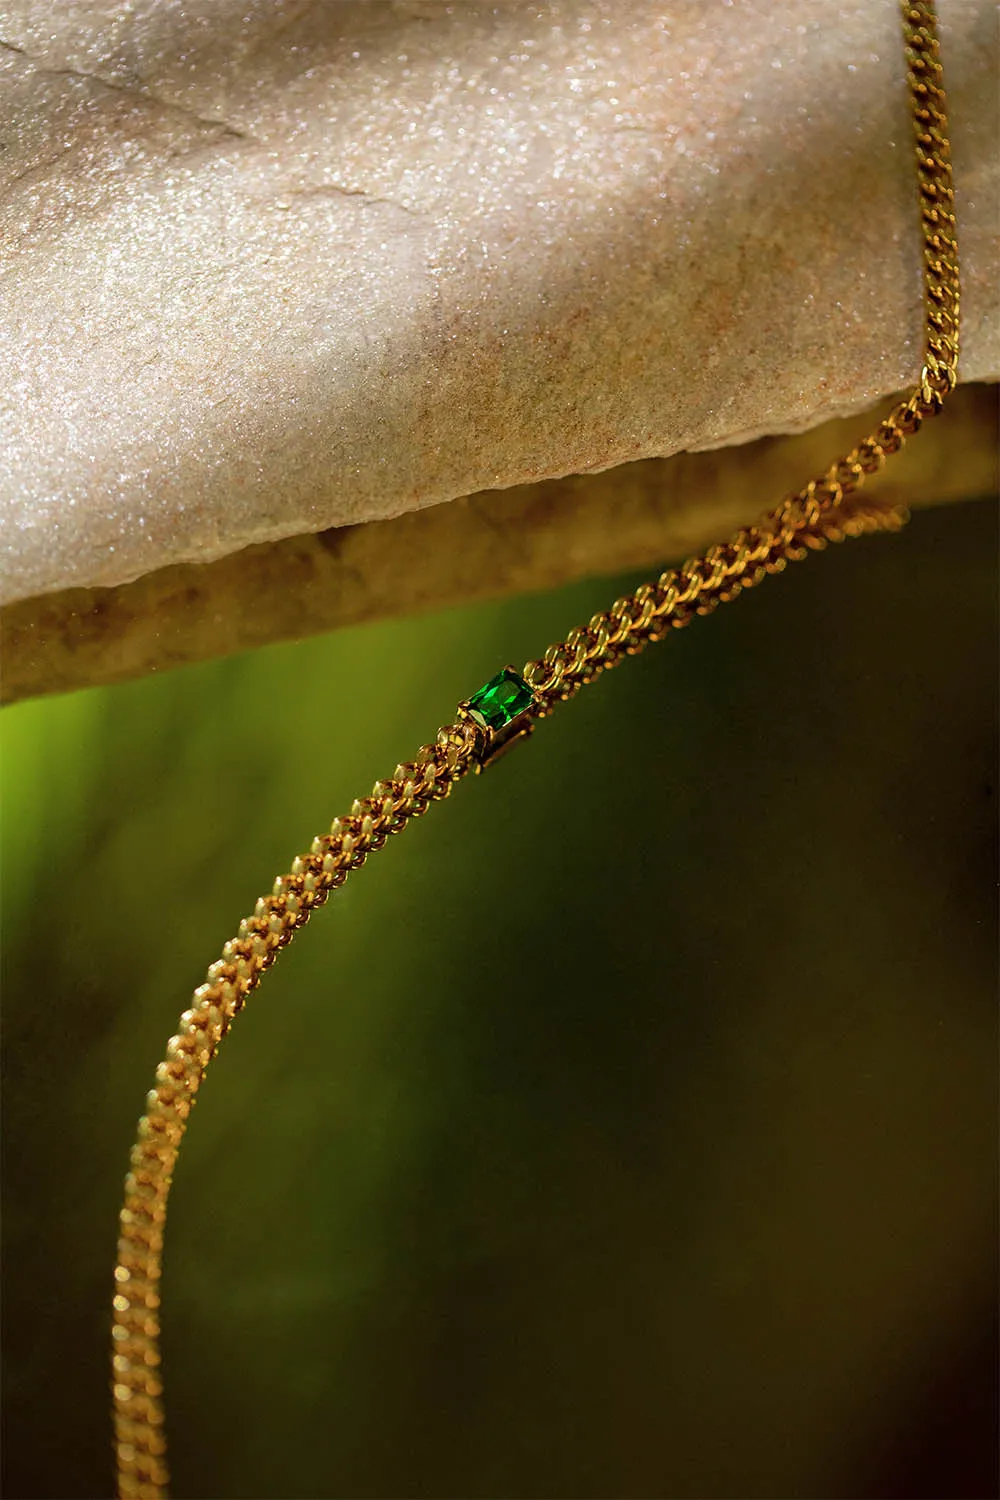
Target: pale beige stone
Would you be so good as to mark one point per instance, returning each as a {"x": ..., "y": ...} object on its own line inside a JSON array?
[
  {"x": 528, "y": 537},
  {"x": 274, "y": 267}
]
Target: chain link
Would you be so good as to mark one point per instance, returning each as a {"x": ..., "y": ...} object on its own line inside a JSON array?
[
  {"x": 826, "y": 510},
  {"x": 138, "y": 1388}
]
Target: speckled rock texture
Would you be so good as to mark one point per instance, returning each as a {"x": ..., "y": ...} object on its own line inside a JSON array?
[
  {"x": 279, "y": 265},
  {"x": 524, "y": 539}
]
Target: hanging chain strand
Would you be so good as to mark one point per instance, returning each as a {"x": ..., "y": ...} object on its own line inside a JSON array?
[{"x": 826, "y": 510}]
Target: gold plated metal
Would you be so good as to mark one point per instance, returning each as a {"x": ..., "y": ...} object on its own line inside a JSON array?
[
  {"x": 504, "y": 740},
  {"x": 826, "y": 510}
]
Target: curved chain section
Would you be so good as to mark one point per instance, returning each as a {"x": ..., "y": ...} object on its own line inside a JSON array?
[
  {"x": 697, "y": 588},
  {"x": 138, "y": 1388},
  {"x": 825, "y": 511}
]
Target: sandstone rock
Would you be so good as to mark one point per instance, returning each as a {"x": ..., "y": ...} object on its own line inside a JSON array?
[{"x": 275, "y": 267}]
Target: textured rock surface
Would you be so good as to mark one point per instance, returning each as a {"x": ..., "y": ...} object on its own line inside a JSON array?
[
  {"x": 529, "y": 537},
  {"x": 274, "y": 267}
]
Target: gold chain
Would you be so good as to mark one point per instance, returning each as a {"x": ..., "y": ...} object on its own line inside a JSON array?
[{"x": 826, "y": 510}]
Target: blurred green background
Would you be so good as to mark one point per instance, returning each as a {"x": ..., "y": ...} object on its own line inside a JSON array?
[{"x": 628, "y": 1128}]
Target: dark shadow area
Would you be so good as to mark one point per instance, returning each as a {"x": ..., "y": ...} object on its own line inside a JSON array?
[{"x": 627, "y": 1129}]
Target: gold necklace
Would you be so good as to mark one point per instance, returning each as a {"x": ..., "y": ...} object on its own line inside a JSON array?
[{"x": 495, "y": 718}]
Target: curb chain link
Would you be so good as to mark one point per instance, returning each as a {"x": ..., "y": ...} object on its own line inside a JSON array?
[{"x": 825, "y": 510}]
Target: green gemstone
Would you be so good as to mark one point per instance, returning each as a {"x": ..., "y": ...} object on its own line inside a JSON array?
[{"x": 504, "y": 697}]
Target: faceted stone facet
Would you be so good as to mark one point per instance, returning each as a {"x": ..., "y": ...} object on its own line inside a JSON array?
[{"x": 504, "y": 697}]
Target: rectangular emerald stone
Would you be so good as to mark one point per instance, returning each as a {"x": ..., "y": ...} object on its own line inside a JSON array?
[{"x": 503, "y": 698}]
